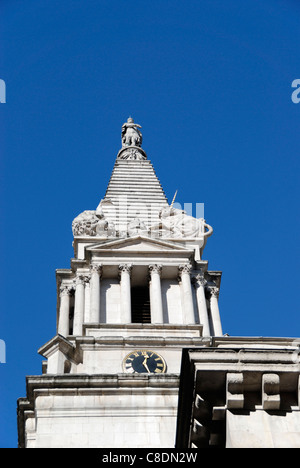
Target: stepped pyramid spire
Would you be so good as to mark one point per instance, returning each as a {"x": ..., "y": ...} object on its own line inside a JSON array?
[{"x": 134, "y": 196}]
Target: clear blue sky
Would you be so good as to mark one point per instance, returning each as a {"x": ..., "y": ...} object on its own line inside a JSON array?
[{"x": 210, "y": 82}]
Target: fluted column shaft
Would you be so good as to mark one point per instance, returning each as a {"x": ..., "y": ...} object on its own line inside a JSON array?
[
  {"x": 199, "y": 283},
  {"x": 64, "y": 311},
  {"x": 188, "y": 305},
  {"x": 155, "y": 294},
  {"x": 125, "y": 272},
  {"x": 215, "y": 313},
  {"x": 96, "y": 271}
]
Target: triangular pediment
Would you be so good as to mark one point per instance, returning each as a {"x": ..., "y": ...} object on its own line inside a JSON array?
[{"x": 137, "y": 244}]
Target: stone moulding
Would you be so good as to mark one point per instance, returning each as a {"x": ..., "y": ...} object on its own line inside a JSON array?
[{"x": 131, "y": 331}]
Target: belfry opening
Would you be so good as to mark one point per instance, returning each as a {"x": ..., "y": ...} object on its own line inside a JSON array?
[{"x": 140, "y": 304}]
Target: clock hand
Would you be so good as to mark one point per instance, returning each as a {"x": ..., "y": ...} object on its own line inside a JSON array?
[{"x": 145, "y": 364}]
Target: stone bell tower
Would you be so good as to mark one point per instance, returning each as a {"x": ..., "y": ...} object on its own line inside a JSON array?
[{"x": 137, "y": 292}]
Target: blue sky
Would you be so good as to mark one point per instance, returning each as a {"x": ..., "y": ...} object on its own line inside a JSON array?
[{"x": 210, "y": 83}]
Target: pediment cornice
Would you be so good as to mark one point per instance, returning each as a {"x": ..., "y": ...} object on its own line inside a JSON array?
[{"x": 137, "y": 243}]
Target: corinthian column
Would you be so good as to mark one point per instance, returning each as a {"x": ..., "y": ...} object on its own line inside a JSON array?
[
  {"x": 125, "y": 271},
  {"x": 64, "y": 311},
  {"x": 155, "y": 294},
  {"x": 96, "y": 271},
  {"x": 199, "y": 283},
  {"x": 215, "y": 313},
  {"x": 79, "y": 305},
  {"x": 188, "y": 305}
]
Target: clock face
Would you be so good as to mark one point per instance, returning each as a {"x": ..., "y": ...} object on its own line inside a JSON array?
[{"x": 144, "y": 361}]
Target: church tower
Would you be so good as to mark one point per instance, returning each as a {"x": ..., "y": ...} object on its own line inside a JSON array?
[{"x": 137, "y": 292}]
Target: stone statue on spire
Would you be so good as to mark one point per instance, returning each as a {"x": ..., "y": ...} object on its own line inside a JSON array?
[
  {"x": 131, "y": 135},
  {"x": 131, "y": 141}
]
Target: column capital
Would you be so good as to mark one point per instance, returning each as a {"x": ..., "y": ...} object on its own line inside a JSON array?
[
  {"x": 81, "y": 279},
  {"x": 155, "y": 268},
  {"x": 214, "y": 291},
  {"x": 96, "y": 268},
  {"x": 87, "y": 278},
  {"x": 185, "y": 268},
  {"x": 199, "y": 280},
  {"x": 65, "y": 290},
  {"x": 127, "y": 267}
]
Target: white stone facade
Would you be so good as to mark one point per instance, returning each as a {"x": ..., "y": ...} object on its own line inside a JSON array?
[{"x": 137, "y": 284}]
